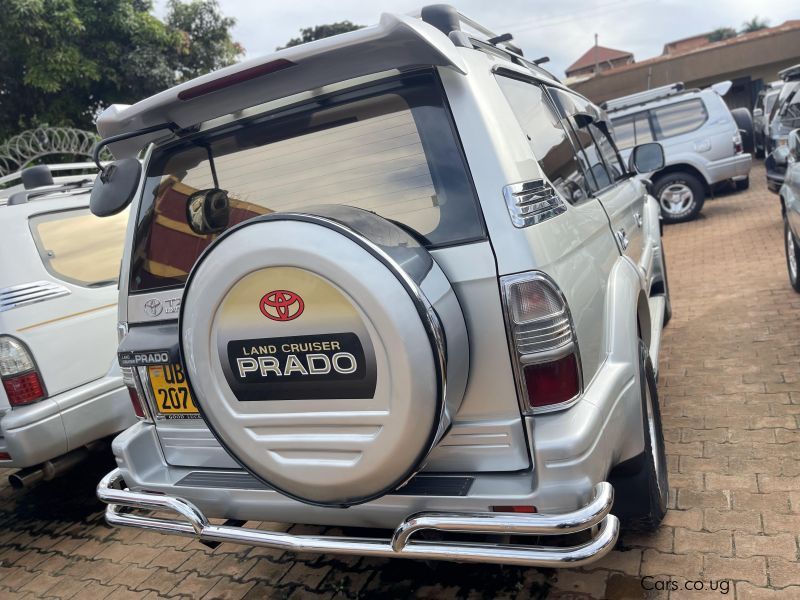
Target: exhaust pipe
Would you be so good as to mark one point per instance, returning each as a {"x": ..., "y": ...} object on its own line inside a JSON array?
[{"x": 29, "y": 476}]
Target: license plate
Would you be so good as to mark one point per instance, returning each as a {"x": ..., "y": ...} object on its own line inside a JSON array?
[{"x": 172, "y": 396}]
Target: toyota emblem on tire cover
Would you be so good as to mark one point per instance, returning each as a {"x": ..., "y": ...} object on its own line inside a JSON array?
[{"x": 281, "y": 305}]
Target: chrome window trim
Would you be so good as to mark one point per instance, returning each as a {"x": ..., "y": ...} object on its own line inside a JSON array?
[{"x": 543, "y": 203}]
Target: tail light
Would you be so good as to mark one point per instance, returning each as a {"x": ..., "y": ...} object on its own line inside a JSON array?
[
  {"x": 135, "y": 392},
  {"x": 737, "y": 144},
  {"x": 131, "y": 381},
  {"x": 544, "y": 347},
  {"x": 21, "y": 378}
]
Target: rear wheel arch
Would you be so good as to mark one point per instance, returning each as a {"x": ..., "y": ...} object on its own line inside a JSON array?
[{"x": 683, "y": 168}]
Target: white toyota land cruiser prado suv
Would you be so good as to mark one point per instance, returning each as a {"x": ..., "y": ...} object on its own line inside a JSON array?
[
  {"x": 62, "y": 392},
  {"x": 398, "y": 278}
]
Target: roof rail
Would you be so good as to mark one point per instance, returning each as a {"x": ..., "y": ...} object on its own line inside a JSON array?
[
  {"x": 447, "y": 19},
  {"x": 54, "y": 168},
  {"x": 658, "y": 93},
  {"x": 23, "y": 196},
  {"x": 790, "y": 73}
]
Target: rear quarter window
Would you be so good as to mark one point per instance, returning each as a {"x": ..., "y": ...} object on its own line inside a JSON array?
[
  {"x": 679, "y": 118},
  {"x": 390, "y": 149},
  {"x": 77, "y": 247}
]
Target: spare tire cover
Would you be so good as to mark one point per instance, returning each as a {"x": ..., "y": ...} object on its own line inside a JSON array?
[{"x": 326, "y": 352}]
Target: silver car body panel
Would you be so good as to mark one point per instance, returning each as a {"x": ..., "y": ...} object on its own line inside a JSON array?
[
  {"x": 607, "y": 288},
  {"x": 69, "y": 330}
]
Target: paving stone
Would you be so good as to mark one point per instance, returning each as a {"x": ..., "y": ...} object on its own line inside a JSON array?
[
  {"x": 782, "y": 545},
  {"x": 730, "y": 394}
]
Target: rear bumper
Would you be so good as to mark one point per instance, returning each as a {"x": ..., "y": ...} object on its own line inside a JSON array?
[
  {"x": 45, "y": 430},
  {"x": 191, "y": 522},
  {"x": 735, "y": 167}
]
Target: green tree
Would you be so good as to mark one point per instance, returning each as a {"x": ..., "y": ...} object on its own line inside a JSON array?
[
  {"x": 204, "y": 36},
  {"x": 722, "y": 33},
  {"x": 309, "y": 34},
  {"x": 61, "y": 61},
  {"x": 754, "y": 24}
]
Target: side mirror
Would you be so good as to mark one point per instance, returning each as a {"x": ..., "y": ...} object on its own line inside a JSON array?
[
  {"x": 208, "y": 211},
  {"x": 115, "y": 187},
  {"x": 758, "y": 112},
  {"x": 646, "y": 158}
]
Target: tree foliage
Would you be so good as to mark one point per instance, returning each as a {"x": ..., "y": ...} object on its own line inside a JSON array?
[
  {"x": 722, "y": 33},
  {"x": 61, "y": 61},
  {"x": 754, "y": 24},
  {"x": 318, "y": 32}
]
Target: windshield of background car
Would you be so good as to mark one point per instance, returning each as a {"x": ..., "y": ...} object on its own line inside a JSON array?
[
  {"x": 77, "y": 247},
  {"x": 389, "y": 148}
]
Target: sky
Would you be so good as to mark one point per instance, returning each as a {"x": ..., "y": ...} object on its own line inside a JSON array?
[{"x": 562, "y": 30}]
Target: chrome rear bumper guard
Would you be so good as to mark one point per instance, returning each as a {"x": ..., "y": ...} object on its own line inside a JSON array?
[{"x": 193, "y": 523}]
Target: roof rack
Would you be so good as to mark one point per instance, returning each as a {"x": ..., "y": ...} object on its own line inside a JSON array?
[
  {"x": 790, "y": 73},
  {"x": 658, "y": 93},
  {"x": 37, "y": 181},
  {"x": 447, "y": 19},
  {"x": 22, "y": 197},
  {"x": 54, "y": 168}
]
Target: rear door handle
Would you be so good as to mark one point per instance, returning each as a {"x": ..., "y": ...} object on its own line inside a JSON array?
[
  {"x": 638, "y": 218},
  {"x": 623, "y": 238}
]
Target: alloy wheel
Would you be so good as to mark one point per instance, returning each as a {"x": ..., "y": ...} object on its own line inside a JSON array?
[{"x": 676, "y": 198}]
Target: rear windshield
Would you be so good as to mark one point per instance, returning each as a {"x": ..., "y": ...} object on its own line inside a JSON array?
[
  {"x": 77, "y": 247},
  {"x": 390, "y": 149}
]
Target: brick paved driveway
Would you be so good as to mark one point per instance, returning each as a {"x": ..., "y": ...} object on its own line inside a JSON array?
[{"x": 730, "y": 393}]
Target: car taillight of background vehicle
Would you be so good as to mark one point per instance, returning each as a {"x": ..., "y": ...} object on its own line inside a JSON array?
[
  {"x": 543, "y": 343},
  {"x": 21, "y": 379}
]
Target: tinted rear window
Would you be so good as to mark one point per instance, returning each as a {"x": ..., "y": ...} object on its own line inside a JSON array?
[{"x": 390, "y": 149}]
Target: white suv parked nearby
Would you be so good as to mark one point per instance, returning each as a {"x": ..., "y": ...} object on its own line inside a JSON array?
[
  {"x": 399, "y": 278},
  {"x": 701, "y": 139},
  {"x": 62, "y": 389}
]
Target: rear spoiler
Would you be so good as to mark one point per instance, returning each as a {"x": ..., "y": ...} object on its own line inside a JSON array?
[{"x": 396, "y": 42}]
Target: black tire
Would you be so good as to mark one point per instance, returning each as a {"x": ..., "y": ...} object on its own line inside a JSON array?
[
  {"x": 674, "y": 183},
  {"x": 742, "y": 184},
  {"x": 641, "y": 486},
  {"x": 792, "y": 251},
  {"x": 744, "y": 121}
]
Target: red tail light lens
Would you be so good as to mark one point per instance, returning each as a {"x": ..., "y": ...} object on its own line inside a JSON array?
[
  {"x": 136, "y": 403},
  {"x": 24, "y": 389},
  {"x": 553, "y": 382},
  {"x": 542, "y": 341},
  {"x": 135, "y": 392},
  {"x": 514, "y": 509}
]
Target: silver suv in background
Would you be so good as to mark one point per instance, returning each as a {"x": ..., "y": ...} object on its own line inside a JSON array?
[{"x": 701, "y": 139}]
